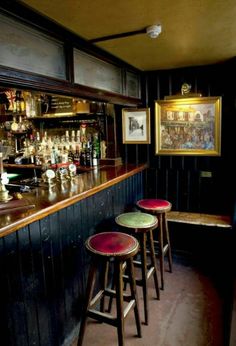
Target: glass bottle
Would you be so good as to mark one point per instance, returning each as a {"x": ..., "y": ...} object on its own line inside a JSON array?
[
  {"x": 19, "y": 102},
  {"x": 16, "y": 108},
  {"x": 95, "y": 149}
]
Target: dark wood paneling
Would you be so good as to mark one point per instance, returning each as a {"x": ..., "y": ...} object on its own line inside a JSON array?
[
  {"x": 43, "y": 267},
  {"x": 178, "y": 178}
]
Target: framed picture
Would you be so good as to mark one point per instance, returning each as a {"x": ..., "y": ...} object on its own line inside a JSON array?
[
  {"x": 136, "y": 126},
  {"x": 188, "y": 126}
]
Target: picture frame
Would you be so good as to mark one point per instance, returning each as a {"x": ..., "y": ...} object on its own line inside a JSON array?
[
  {"x": 136, "y": 126},
  {"x": 188, "y": 126}
]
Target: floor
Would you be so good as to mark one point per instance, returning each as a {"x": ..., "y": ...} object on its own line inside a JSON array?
[{"x": 190, "y": 313}]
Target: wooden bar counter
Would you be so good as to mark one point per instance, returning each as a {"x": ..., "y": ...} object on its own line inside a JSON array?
[
  {"x": 43, "y": 261},
  {"x": 43, "y": 201}
]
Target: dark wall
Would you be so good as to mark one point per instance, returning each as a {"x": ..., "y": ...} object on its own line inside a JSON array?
[
  {"x": 43, "y": 267},
  {"x": 178, "y": 178}
]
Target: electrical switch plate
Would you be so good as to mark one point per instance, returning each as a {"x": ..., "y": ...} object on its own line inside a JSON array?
[{"x": 206, "y": 174}]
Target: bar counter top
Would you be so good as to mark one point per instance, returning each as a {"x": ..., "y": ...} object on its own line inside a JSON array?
[{"x": 42, "y": 201}]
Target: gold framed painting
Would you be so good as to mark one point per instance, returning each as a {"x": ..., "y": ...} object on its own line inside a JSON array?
[
  {"x": 188, "y": 126},
  {"x": 136, "y": 126}
]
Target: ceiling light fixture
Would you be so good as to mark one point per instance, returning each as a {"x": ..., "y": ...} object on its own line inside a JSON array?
[{"x": 152, "y": 31}]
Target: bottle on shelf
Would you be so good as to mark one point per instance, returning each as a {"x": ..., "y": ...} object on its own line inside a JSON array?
[
  {"x": 54, "y": 156},
  {"x": 21, "y": 125},
  {"x": 30, "y": 105},
  {"x": 88, "y": 154},
  {"x": 83, "y": 155},
  {"x": 95, "y": 149},
  {"x": 19, "y": 103}
]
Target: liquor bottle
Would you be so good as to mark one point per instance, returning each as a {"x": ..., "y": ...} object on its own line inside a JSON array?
[
  {"x": 54, "y": 157},
  {"x": 64, "y": 155},
  {"x": 19, "y": 103},
  {"x": 77, "y": 139},
  {"x": 67, "y": 141},
  {"x": 83, "y": 155},
  {"x": 31, "y": 148},
  {"x": 22, "y": 103},
  {"x": 72, "y": 136},
  {"x": 88, "y": 154},
  {"x": 73, "y": 142},
  {"x": 21, "y": 125},
  {"x": 76, "y": 157},
  {"x": 16, "y": 108},
  {"x": 95, "y": 149}
]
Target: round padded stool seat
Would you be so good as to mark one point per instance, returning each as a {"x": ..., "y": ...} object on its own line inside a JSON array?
[
  {"x": 156, "y": 205},
  {"x": 136, "y": 220},
  {"x": 112, "y": 244}
]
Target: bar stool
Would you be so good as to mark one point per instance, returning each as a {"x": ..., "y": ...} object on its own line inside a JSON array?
[
  {"x": 141, "y": 225},
  {"x": 104, "y": 247},
  {"x": 159, "y": 207}
]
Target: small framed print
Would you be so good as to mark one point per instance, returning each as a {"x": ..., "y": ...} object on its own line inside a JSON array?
[{"x": 136, "y": 126}]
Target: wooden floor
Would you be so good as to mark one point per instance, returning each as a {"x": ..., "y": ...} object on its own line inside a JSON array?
[{"x": 191, "y": 312}]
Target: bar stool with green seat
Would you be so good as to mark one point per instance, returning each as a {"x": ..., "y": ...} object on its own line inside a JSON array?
[
  {"x": 141, "y": 225},
  {"x": 120, "y": 248},
  {"x": 159, "y": 208}
]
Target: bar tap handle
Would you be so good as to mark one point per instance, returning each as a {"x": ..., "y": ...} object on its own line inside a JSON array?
[
  {"x": 72, "y": 170},
  {"x": 35, "y": 178},
  {"x": 4, "y": 193},
  {"x": 49, "y": 177}
]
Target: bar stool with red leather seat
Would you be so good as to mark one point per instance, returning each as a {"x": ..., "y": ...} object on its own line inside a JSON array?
[
  {"x": 159, "y": 208},
  {"x": 120, "y": 248},
  {"x": 141, "y": 225}
]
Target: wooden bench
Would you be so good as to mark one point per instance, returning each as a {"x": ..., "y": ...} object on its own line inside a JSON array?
[{"x": 200, "y": 219}]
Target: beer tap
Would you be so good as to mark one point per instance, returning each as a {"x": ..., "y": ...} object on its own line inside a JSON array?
[{"x": 4, "y": 193}]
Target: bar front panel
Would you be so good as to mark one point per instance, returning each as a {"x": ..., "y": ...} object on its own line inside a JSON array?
[{"x": 43, "y": 267}]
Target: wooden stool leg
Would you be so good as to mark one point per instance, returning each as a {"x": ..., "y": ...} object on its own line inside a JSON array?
[
  {"x": 113, "y": 287},
  {"x": 153, "y": 262},
  {"x": 143, "y": 251},
  {"x": 119, "y": 302},
  {"x": 161, "y": 249},
  {"x": 168, "y": 242},
  {"x": 104, "y": 284},
  {"x": 111, "y": 298},
  {"x": 89, "y": 293},
  {"x": 133, "y": 290}
]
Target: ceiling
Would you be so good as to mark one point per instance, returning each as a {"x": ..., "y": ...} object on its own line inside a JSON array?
[{"x": 195, "y": 32}]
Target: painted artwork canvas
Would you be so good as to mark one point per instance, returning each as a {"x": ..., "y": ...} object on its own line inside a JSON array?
[{"x": 188, "y": 126}]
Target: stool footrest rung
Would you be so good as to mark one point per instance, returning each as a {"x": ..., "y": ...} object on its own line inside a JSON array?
[
  {"x": 112, "y": 293},
  {"x": 129, "y": 307},
  {"x": 139, "y": 282},
  {"x": 139, "y": 264},
  {"x": 156, "y": 246},
  {"x": 96, "y": 298},
  {"x": 125, "y": 278},
  {"x": 108, "y": 318},
  {"x": 150, "y": 272},
  {"x": 165, "y": 249},
  {"x": 136, "y": 263},
  {"x": 102, "y": 317}
]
